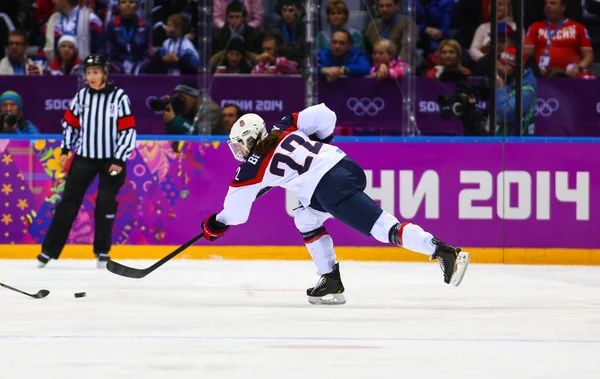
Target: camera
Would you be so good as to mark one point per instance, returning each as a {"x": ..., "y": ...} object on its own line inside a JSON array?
[
  {"x": 9, "y": 119},
  {"x": 463, "y": 104},
  {"x": 177, "y": 103}
]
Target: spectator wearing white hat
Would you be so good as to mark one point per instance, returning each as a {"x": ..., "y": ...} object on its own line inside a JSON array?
[{"x": 67, "y": 62}]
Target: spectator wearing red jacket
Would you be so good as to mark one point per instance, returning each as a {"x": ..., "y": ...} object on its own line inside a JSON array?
[{"x": 559, "y": 43}]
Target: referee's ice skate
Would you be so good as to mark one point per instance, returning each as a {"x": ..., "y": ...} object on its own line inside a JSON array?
[
  {"x": 453, "y": 261},
  {"x": 329, "y": 290}
]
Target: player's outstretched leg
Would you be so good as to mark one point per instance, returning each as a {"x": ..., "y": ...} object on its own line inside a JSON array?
[{"x": 453, "y": 261}]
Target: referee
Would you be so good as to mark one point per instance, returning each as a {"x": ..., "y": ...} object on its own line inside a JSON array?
[{"x": 100, "y": 129}]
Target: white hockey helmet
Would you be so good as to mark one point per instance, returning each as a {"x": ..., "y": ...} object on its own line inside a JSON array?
[{"x": 245, "y": 134}]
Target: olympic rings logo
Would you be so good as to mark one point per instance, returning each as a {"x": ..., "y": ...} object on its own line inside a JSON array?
[
  {"x": 546, "y": 107},
  {"x": 365, "y": 106}
]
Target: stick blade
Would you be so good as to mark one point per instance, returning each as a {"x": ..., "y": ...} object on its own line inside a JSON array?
[
  {"x": 41, "y": 294},
  {"x": 121, "y": 270}
]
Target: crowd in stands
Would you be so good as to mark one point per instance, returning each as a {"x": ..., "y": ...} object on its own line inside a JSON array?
[
  {"x": 355, "y": 38},
  {"x": 442, "y": 39}
]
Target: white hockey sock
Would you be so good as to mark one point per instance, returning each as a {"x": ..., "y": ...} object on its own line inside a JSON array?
[
  {"x": 416, "y": 239},
  {"x": 381, "y": 229},
  {"x": 413, "y": 236},
  {"x": 322, "y": 252}
]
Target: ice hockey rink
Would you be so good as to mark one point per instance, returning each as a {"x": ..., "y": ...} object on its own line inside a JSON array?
[{"x": 250, "y": 319}]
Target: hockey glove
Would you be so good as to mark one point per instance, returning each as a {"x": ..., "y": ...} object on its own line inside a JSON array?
[{"x": 213, "y": 229}]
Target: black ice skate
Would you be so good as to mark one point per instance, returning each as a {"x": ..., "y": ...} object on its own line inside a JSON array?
[
  {"x": 329, "y": 290},
  {"x": 453, "y": 261},
  {"x": 43, "y": 260},
  {"x": 101, "y": 260}
]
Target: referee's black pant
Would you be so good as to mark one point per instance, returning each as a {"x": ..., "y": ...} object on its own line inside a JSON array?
[{"x": 82, "y": 173}]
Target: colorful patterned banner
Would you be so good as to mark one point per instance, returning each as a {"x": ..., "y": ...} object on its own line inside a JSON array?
[{"x": 473, "y": 194}]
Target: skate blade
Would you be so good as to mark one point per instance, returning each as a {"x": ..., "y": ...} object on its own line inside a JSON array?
[
  {"x": 101, "y": 265},
  {"x": 462, "y": 262},
  {"x": 332, "y": 299}
]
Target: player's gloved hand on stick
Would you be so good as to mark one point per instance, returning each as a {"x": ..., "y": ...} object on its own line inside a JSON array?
[{"x": 213, "y": 229}]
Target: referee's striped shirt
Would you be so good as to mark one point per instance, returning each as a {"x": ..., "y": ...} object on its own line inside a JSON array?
[{"x": 99, "y": 125}]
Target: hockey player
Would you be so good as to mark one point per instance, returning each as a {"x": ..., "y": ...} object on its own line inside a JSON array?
[{"x": 296, "y": 155}]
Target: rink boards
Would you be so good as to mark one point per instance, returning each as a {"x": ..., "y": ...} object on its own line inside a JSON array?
[{"x": 512, "y": 202}]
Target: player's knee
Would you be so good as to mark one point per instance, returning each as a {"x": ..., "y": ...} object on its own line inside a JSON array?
[
  {"x": 314, "y": 235},
  {"x": 301, "y": 219}
]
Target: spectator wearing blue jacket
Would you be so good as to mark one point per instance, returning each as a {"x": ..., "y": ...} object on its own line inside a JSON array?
[
  {"x": 342, "y": 59},
  {"x": 506, "y": 97},
  {"x": 11, "y": 106},
  {"x": 433, "y": 21},
  {"x": 129, "y": 40}
]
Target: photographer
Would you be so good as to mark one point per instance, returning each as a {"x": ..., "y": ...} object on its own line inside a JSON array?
[
  {"x": 189, "y": 111},
  {"x": 506, "y": 97},
  {"x": 11, "y": 116}
]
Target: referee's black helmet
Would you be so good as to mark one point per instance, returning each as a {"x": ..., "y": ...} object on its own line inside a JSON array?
[{"x": 97, "y": 60}]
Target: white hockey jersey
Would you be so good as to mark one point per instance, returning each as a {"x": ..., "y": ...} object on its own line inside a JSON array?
[{"x": 296, "y": 164}]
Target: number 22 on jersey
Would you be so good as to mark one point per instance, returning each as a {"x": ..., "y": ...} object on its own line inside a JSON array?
[{"x": 288, "y": 145}]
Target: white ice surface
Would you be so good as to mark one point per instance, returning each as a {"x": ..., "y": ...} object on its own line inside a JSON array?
[{"x": 240, "y": 319}]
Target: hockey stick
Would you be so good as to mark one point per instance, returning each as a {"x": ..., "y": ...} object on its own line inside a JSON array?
[
  {"x": 39, "y": 295},
  {"x": 135, "y": 273}
]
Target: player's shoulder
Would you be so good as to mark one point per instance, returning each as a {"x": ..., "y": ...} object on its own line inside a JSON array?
[
  {"x": 288, "y": 122},
  {"x": 251, "y": 171}
]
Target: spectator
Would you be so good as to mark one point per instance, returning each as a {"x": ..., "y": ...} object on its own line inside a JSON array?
[
  {"x": 506, "y": 97},
  {"x": 386, "y": 64},
  {"x": 234, "y": 61},
  {"x": 177, "y": 55},
  {"x": 292, "y": 32},
  {"x": 533, "y": 11},
  {"x": 337, "y": 18},
  {"x": 449, "y": 58},
  {"x": 433, "y": 21},
  {"x": 269, "y": 63},
  {"x": 12, "y": 119},
  {"x": 559, "y": 42},
  {"x": 253, "y": 8},
  {"x": 6, "y": 27},
  {"x": 161, "y": 11},
  {"x": 393, "y": 26},
  {"x": 192, "y": 112},
  {"x": 129, "y": 40},
  {"x": 17, "y": 62},
  {"x": 342, "y": 59},
  {"x": 468, "y": 15},
  {"x": 481, "y": 41},
  {"x": 230, "y": 112},
  {"x": 112, "y": 9},
  {"x": 67, "y": 62},
  {"x": 69, "y": 18},
  {"x": 236, "y": 26},
  {"x": 506, "y": 39}
]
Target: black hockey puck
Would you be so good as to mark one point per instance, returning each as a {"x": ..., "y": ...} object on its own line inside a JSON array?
[{"x": 80, "y": 294}]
